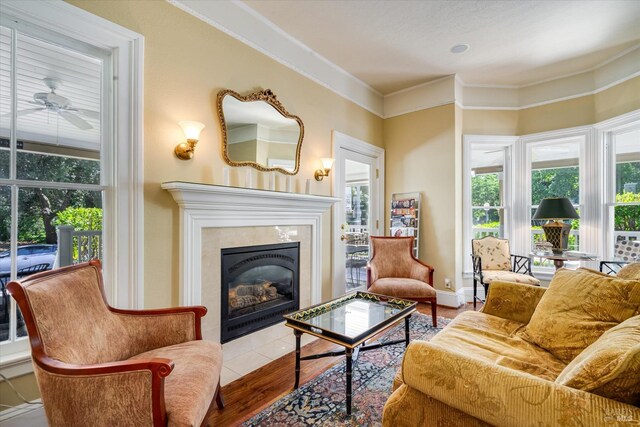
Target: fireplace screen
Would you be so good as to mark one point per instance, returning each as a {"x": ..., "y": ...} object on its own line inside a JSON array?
[{"x": 259, "y": 285}]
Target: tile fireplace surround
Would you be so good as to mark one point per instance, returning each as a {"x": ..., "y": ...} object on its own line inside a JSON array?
[{"x": 213, "y": 217}]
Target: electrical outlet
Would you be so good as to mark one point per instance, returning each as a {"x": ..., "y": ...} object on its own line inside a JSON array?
[{"x": 447, "y": 283}]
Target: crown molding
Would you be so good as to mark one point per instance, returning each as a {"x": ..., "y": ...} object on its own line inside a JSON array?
[
  {"x": 614, "y": 71},
  {"x": 246, "y": 25}
]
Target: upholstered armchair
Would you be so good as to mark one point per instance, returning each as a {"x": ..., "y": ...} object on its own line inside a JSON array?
[
  {"x": 101, "y": 366},
  {"x": 395, "y": 272},
  {"x": 493, "y": 261}
]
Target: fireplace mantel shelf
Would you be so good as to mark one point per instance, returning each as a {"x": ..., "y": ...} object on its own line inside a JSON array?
[
  {"x": 208, "y": 196},
  {"x": 210, "y": 206}
]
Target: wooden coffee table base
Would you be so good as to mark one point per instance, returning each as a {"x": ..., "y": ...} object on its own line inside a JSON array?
[{"x": 351, "y": 353}]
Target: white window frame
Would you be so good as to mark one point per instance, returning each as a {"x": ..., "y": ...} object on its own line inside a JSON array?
[
  {"x": 588, "y": 197},
  {"x": 122, "y": 156},
  {"x": 508, "y": 142},
  {"x": 606, "y": 132},
  {"x": 518, "y": 190}
]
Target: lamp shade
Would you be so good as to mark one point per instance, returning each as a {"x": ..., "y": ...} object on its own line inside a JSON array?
[
  {"x": 327, "y": 162},
  {"x": 555, "y": 208},
  {"x": 191, "y": 129}
]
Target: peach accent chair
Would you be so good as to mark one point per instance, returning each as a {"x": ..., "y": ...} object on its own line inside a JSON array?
[
  {"x": 101, "y": 366},
  {"x": 493, "y": 261},
  {"x": 395, "y": 272}
]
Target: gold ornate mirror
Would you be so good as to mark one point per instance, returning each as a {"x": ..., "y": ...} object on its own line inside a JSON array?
[{"x": 258, "y": 131}]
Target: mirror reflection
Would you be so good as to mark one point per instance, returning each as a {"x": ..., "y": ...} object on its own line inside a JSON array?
[{"x": 259, "y": 132}]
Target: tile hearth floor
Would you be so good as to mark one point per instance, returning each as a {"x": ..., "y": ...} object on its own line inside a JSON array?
[{"x": 270, "y": 382}]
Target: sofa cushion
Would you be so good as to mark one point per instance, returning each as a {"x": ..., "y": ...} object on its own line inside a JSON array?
[
  {"x": 190, "y": 387},
  {"x": 577, "y": 308},
  {"x": 610, "y": 366},
  {"x": 402, "y": 288},
  {"x": 495, "y": 340},
  {"x": 489, "y": 276},
  {"x": 630, "y": 271}
]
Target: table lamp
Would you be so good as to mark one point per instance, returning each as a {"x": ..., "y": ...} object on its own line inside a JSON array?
[{"x": 555, "y": 231}]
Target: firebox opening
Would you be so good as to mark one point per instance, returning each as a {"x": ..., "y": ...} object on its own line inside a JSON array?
[{"x": 259, "y": 285}]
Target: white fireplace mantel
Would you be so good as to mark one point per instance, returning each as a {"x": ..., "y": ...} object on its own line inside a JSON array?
[{"x": 204, "y": 206}]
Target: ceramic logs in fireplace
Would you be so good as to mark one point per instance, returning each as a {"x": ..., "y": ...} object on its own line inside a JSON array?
[{"x": 259, "y": 285}]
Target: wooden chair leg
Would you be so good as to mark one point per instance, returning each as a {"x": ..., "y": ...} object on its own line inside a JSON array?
[
  {"x": 434, "y": 317},
  {"x": 218, "y": 398}
]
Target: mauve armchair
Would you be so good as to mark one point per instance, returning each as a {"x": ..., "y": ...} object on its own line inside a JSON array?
[
  {"x": 101, "y": 366},
  {"x": 394, "y": 271}
]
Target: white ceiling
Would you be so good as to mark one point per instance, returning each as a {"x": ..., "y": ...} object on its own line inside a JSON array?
[{"x": 392, "y": 45}]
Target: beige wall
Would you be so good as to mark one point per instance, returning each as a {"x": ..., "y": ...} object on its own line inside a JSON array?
[
  {"x": 559, "y": 115},
  {"x": 186, "y": 63},
  {"x": 490, "y": 122},
  {"x": 618, "y": 100},
  {"x": 421, "y": 157}
]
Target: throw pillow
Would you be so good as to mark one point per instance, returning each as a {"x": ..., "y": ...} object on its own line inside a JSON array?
[
  {"x": 630, "y": 271},
  {"x": 578, "y": 308},
  {"x": 592, "y": 271},
  {"x": 610, "y": 366}
]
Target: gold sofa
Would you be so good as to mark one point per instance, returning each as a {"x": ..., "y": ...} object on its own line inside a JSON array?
[
  {"x": 565, "y": 356},
  {"x": 101, "y": 366}
]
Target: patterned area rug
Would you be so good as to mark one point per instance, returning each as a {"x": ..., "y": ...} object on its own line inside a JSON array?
[{"x": 321, "y": 401}]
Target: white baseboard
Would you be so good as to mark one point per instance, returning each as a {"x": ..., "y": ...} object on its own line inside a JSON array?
[
  {"x": 468, "y": 293},
  {"x": 451, "y": 299}
]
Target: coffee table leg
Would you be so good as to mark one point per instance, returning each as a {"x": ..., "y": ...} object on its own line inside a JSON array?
[
  {"x": 349, "y": 352},
  {"x": 406, "y": 331},
  {"x": 298, "y": 334}
]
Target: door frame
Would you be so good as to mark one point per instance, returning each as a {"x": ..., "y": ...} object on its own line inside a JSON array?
[{"x": 340, "y": 143}]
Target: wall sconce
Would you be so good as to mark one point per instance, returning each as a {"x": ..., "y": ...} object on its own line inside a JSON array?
[
  {"x": 185, "y": 150},
  {"x": 326, "y": 168}
]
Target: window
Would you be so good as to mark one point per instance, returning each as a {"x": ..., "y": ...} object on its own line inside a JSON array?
[
  {"x": 555, "y": 172},
  {"x": 116, "y": 153},
  {"x": 596, "y": 167},
  {"x": 488, "y": 190},
  {"x": 52, "y": 130},
  {"x": 624, "y": 186},
  {"x": 488, "y": 180}
]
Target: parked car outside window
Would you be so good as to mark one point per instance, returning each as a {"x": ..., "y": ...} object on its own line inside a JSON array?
[{"x": 28, "y": 256}]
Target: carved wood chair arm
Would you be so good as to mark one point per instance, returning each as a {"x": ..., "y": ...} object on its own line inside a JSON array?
[{"x": 159, "y": 367}]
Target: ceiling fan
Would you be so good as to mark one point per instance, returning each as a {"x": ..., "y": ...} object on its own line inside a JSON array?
[{"x": 61, "y": 105}]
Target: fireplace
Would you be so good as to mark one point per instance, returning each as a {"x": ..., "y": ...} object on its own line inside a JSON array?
[{"x": 259, "y": 285}]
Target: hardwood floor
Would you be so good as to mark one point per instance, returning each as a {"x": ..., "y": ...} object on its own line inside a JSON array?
[{"x": 257, "y": 390}]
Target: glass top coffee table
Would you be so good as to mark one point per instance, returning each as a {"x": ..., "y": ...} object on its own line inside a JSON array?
[{"x": 349, "y": 321}]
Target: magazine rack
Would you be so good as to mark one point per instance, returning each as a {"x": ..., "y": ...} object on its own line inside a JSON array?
[{"x": 405, "y": 217}]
